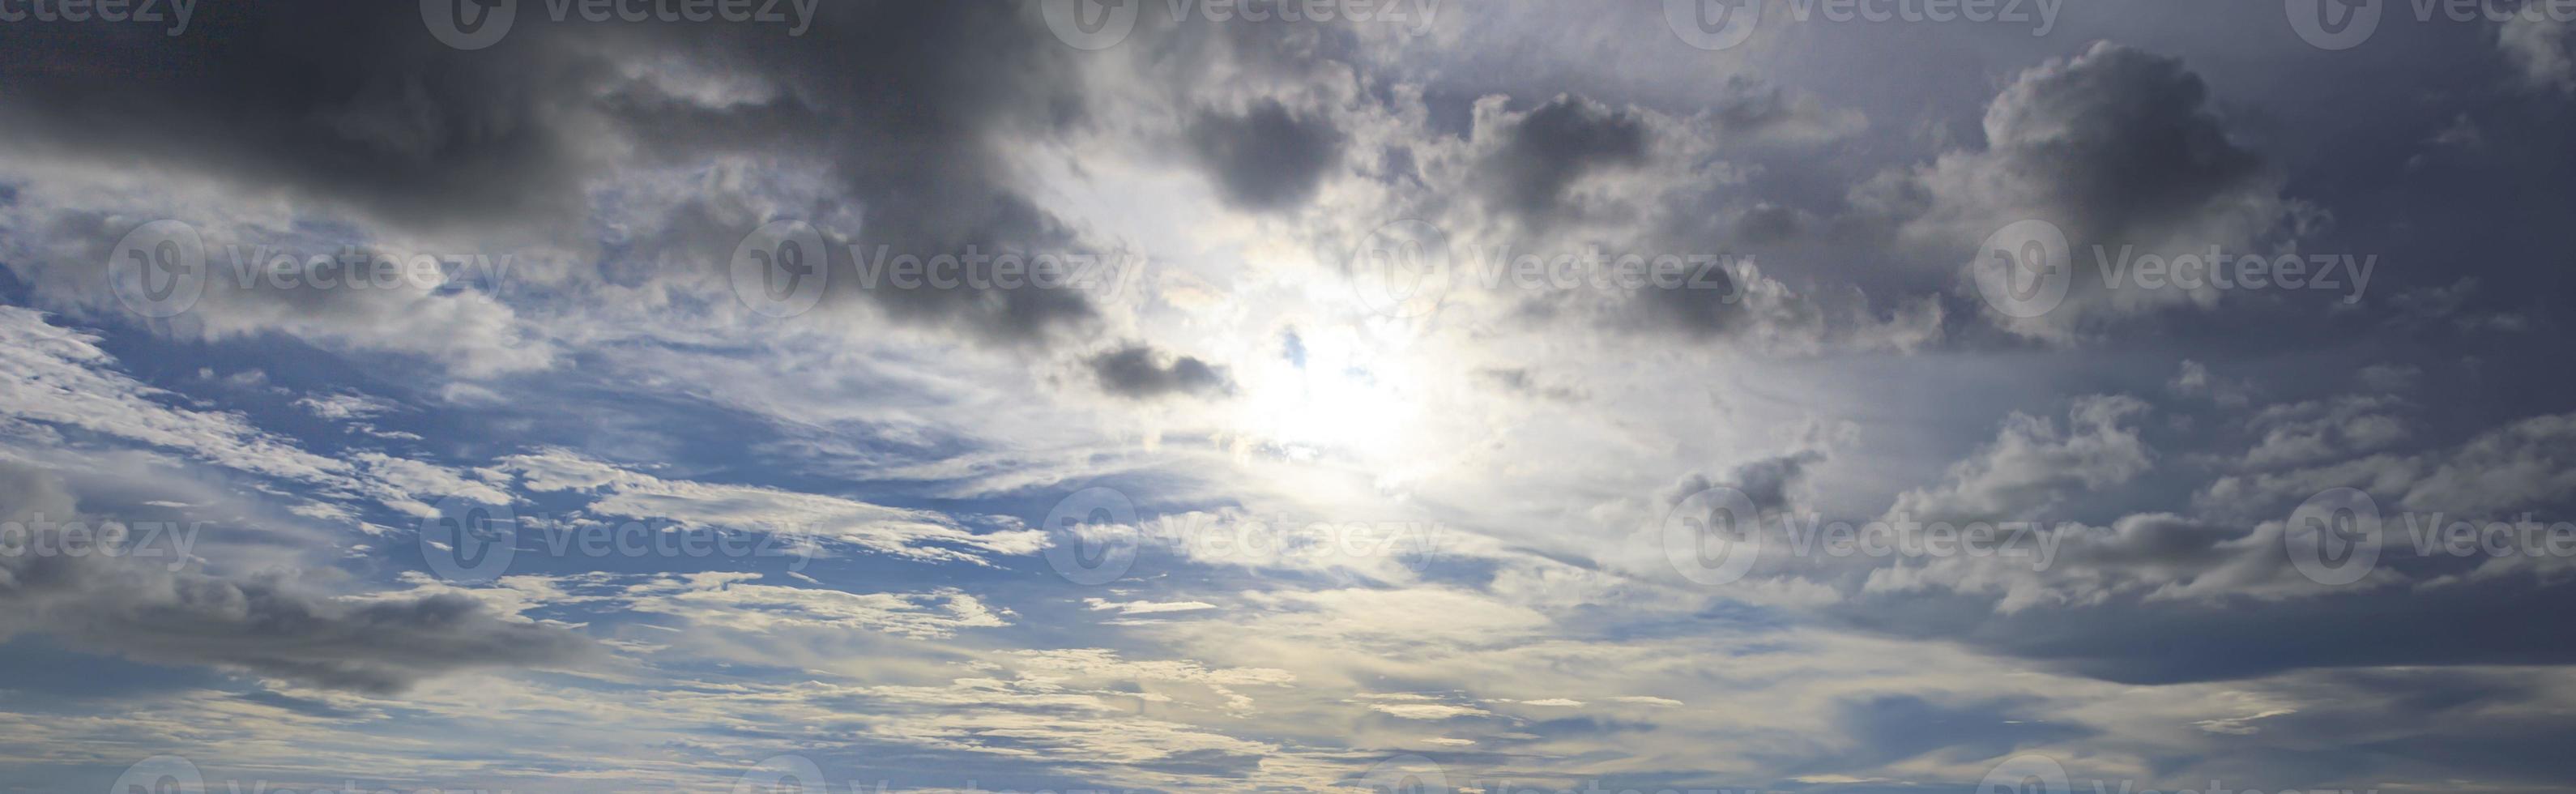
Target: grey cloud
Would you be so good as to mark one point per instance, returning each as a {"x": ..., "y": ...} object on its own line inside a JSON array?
[
  {"x": 140, "y": 609},
  {"x": 1771, "y": 483},
  {"x": 339, "y": 102},
  {"x": 1545, "y": 150},
  {"x": 2519, "y": 465},
  {"x": 2537, "y": 46},
  {"x": 2117, "y": 147},
  {"x": 1138, "y": 371},
  {"x": 1733, "y": 300},
  {"x": 1265, "y": 158},
  {"x": 913, "y": 107},
  {"x": 2123, "y": 140},
  {"x": 357, "y": 114}
]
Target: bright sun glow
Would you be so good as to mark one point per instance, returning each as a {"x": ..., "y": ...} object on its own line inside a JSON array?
[{"x": 1346, "y": 396}]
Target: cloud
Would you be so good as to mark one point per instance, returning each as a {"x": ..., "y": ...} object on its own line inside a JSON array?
[
  {"x": 2119, "y": 148},
  {"x": 2033, "y": 463},
  {"x": 1265, "y": 158},
  {"x": 732, "y": 602},
  {"x": 62, "y": 378},
  {"x": 1136, "y": 371},
  {"x": 2537, "y": 46},
  {"x": 339, "y": 104},
  {"x": 1542, "y": 152},
  {"x": 346, "y": 406},
  {"x": 267, "y": 624},
  {"x": 2506, "y": 468},
  {"x": 1147, "y": 607},
  {"x": 1428, "y": 711},
  {"x": 911, "y": 534},
  {"x": 408, "y": 145}
]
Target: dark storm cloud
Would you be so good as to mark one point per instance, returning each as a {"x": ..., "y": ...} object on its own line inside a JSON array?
[
  {"x": 350, "y": 104},
  {"x": 355, "y": 111},
  {"x": 912, "y": 106},
  {"x": 1267, "y": 157},
  {"x": 140, "y": 609},
  {"x": 1137, "y": 371},
  {"x": 1551, "y": 147}
]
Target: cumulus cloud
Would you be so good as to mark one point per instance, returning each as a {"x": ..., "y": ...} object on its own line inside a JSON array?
[
  {"x": 2034, "y": 462},
  {"x": 2120, "y": 149}
]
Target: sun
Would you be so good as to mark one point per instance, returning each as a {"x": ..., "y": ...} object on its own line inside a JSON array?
[{"x": 1333, "y": 394}]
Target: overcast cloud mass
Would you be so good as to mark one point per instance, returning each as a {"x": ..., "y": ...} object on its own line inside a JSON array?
[{"x": 1287, "y": 395}]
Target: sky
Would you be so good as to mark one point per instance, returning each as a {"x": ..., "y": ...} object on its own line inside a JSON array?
[{"x": 1831, "y": 396}]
